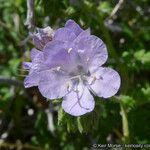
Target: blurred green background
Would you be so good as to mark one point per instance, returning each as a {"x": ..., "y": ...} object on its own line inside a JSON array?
[{"x": 28, "y": 121}]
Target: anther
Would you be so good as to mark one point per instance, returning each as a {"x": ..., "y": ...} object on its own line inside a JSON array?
[
  {"x": 69, "y": 50},
  {"x": 58, "y": 68},
  {"x": 68, "y": 85},
  {"x": 87, "y": 59},
  {"x": 94, "y": 78}
]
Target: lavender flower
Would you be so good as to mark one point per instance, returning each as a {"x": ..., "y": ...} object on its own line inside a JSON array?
[{"x": 70, "y": 66}]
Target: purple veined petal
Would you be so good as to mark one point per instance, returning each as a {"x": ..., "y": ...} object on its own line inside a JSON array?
[
  {"x": 52, "y": 48},
  {"x": 39, "y": 57},
  {"x": 93, "y": 51},
  {"x": 56, "y": 54},
  {"x": 53, "y": 84},
  {"x": 64, "y": 34},
  {"x": 34, "y": 68},
  {"x": 87, "y": 31},
  {"x": 72, "y": 25},
  {"x": 34, "y": 52},
  {"x": 105, "y": 82},
  {"x": 83, "y": 34},
  {"x": 37, "y": 62},
  {"x": 78, "y": 104},
  {"x": 31, "y": 80},
  {"x": 26, "y": 65}
]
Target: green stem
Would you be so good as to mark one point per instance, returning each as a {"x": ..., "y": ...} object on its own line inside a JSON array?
[
  {"x": 125, "y": 126},
  {"x": 123, "y": 73}
]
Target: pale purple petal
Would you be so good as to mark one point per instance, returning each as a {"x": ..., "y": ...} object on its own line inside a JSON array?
[
  {"x": 72, "y": 25},
  {"x": 31, "y": 80},
  {"x": 34, "y": 68},
  {"x": 34, "y": 52},
  {"x": 64, "y": 34},
  {"x": 52, "y": 48},
  {"x": 83, "y": 34},
  {"x": 39, "y": 58},
  {"x": 78, "y": 104},
  {"x": 93, "y": 51},
  {"x": 105, "y": 82},
  {"x": 56, "y": 54},
  {"x": 53, "y": 85},
  {"x": 37, "y": 62}
]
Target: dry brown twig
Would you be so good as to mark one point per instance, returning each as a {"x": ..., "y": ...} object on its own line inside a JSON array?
[
  {"x": 30, "y": 21},
  {"x": 116, "y": 8}
]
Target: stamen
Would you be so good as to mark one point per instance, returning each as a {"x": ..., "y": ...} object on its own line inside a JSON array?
[
  {"x": 58, "y": 68},
  {"x": 69, "y": 50},
  {"x": 93, "y": 80},
  {"x": 69, "y": 86},
  {"x": 76, "y": 90},
  {"x": 88, "y": 59}
]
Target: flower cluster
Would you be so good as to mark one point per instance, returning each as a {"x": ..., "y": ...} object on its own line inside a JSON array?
[{"x": 68, "y": 63}]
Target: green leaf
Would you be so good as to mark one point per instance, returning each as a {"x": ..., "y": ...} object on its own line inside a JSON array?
[
  {"x": 142, "y": 56},
  {"x": 104, "y": 7},
  {"x": 80, "y": 127},
  {"x": 146, "y": 92},
  {"x": 127, "y": 101}
]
